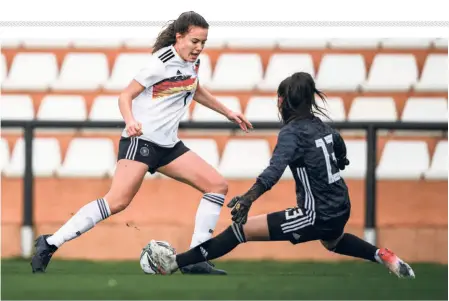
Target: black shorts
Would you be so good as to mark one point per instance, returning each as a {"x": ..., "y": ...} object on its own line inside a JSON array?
[
  {"x": 153, "y": 155},
  {"x": 299, "y": 225}
]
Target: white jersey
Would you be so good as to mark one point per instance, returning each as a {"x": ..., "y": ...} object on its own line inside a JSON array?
[{"x": 170, "y": 83}]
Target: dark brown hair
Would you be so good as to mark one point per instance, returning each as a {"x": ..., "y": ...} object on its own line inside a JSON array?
[
  {"x": 181, "y": 25},
  {"x": 298, "y": 93}
]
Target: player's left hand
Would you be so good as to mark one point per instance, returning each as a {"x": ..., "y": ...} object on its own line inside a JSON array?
[
  {"x": 342, "y": 163},
  {"x": 240, "y": 210},
  {"x": 241, "y": 120}
]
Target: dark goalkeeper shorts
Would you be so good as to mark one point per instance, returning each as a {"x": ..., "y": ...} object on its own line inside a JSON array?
[
  {"x": 299, "y": 225},
  {"x": 149, "y": 153}
]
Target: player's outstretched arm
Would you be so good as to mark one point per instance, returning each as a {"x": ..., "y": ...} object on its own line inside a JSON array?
[{"x": 205, "y": 98}]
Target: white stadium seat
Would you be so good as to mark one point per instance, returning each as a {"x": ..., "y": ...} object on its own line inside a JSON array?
[
  {"x": 356, "y": 154},
  {"x": 88, "y": 157},
  {"x": 139, "y": 43},
  {"x": 341, "y": 72},
  {"x": 260, "y": 108},
  {"x": 373, "y": 109},
  {"x": 237, "y": 72},
  {"x": 82, "y": 71},
  {"x": 97, "y": 43},
  {"x": 244, "y": 159},
  {"x": 421, "y": 109},
  {"x": 62, "y": 107},
  {"x": 46, "y": 158},
  {"x": 4, "y": 154},
  {"x": 205, "y": 148},
  {"x": 46, "y": 43},
  {"x": 205, "y": 71},
  {"x": 9, "y": 43},
  {"x": 202, "y": 113},
  {"x": 392, "y": 72},
  {"x": 402, "y": 43},
  {"x": 302, "y": 43},
  {"x": 438, "y": 167},
  {"x": 31, "y": 71},
  {"x": 334, "y": 108},
  {"x": 354, "y": 43},
  {"x": 3, "y": 69},
  {"x": 105, "y": 108},
  {"x": 403, "y": 160},
  {"x": 440, "y": 43},
  {"x": 242, "y": 43},
  {"x": 16, "y": 107},
  {"x": 434, "y": 75},
  {"x": 282, "y": 65},
  {"x": 126, "y": 66}
]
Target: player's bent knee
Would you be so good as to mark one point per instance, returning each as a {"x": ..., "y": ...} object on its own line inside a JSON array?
[
  {"x": 219, "y": 185},
  {"x": 331, "y": 244},
  {"x": 117, "y": 204}
]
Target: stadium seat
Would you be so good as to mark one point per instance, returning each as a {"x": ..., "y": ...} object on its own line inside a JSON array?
[
  {"x": 46, "y": 43},
  {"x": 403, "y": 160},
  {"x": 126, "y": 66},
  {"x": 205, "y": 71},
  {"x": 9, "y": 43},
  {"x": 62, "y": 107},
  {"x": 4, "y": 154},
  {"x": 282, "y": 65},
  {"x": 392, "y": 72},
  {"x": 31, "y": 71},
  {"x": 237, "y": 72},
  {"x": 354, "y": 43},
  {"x": 421, "y": 109},
  {"x": 372, "y": 109},
  {"x": 82, "y": 71},
  {"x": 438, "y": 167},
  {"x": 105, "y": 108},
  {"x": 434, "y": 75},
  {"x": 341, "y": 72},
  {"x": 97, "y": 43},
  {"x": 405, "y": 43},
  {"x": 440, "y": 43},
  {"x": 88, "y": 157},
  {"x": 16, "y": 107},
  {"x": 3, "y": 69},
  {"x": 46, "y": 158},
  {"x": 356, "y": 154},
  {"x": 139, "y": 43},
  {"x": 215, "y": 43},
  {"x": 202, "y": 113},
  {"x": 302, "y": 43},
  {"x": 334, "y": 108},
  {"x": 252, "y": 43},
  {"x": 262, "y": 109},
  {"x": 205, "y": 148},
  {"x": 244, "y": 159}
]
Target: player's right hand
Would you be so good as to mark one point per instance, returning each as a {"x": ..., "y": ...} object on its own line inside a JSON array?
[
  {"x": 134, "y": 128},
  {"x": 241, "y": 208}
]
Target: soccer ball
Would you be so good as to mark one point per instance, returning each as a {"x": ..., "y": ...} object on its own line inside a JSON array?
[{"x": 146, "y": 264}]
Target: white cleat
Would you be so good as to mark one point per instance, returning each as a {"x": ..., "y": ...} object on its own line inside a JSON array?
[
  {"x": 164, "y": 259},
  {"x": 396, "y": 265}
]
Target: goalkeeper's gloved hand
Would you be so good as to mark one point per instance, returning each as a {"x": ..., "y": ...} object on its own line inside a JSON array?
[
  {"x": 342, "y": 163},
  {"x": 241, "y": 206}
]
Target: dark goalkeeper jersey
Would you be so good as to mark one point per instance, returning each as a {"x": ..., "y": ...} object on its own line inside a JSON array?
[{"x": 310, "y": 148}]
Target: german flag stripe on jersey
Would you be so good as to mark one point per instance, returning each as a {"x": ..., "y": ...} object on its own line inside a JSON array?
[{"x": 173, "y": 85}]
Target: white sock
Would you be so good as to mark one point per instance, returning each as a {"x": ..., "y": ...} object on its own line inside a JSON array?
[
  {"x": 84, "y": 220},
  {"x": 376, "y": 256},
  {"x": 206, "y": 217}
]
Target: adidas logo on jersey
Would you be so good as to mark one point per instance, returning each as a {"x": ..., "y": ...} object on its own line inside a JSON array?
[{"x": 178, "y": 73}]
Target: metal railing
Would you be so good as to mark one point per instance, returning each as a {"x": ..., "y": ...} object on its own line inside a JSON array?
[{"x": 371, "y": 129}]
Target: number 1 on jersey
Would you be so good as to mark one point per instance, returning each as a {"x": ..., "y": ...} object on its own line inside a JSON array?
[
  {"x": 187, "y": 96},
  {"x": 323, "y": 144}
]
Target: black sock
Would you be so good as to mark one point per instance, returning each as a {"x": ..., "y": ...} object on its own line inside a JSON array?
[
  {"x": 216, "y": 247},
  {"x": 351, "y": 245}
]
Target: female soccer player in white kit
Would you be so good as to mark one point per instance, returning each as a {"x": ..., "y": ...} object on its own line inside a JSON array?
[{"x": 152, "y": 106}]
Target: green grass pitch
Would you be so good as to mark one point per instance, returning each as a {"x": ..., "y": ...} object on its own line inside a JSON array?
[{"x": 77, "y": 280}]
